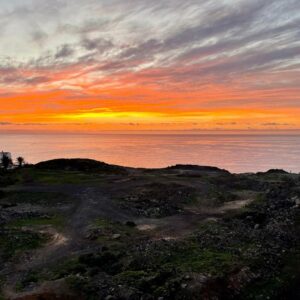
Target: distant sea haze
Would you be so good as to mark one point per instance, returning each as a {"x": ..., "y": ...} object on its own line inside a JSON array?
[{"x": 236, "y": 153}]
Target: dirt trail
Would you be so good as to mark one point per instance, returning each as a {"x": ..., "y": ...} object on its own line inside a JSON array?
[
  {"x": 35, "y": 259},
  {"x": 58, "y": 240},
  {"x": 179, "y": 226},
  {"x": 94, "y": 203},
  {"x": 90, "y": 203},
  {"x": 234, "y": 205}
]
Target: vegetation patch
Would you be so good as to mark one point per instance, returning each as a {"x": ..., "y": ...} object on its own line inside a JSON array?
[
  {"x": 56, "y": 221},
  {"x": 284, "y": 284},
  {"x": 54, "y": 177},
  {"x": 158, "y": 200},
  {"x": 208, "y": 261},
  {"x": 30, "y": 278},
  {"x": 37, "y": 198},
  {"x": 15, "y": 241},
  {"x": 66, "y": 268},
  {"x": 111, "y": 233},
  {"x": 131, "y": 277}
]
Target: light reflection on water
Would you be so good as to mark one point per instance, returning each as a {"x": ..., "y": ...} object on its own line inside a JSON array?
[{"x": 237, "y": 153}]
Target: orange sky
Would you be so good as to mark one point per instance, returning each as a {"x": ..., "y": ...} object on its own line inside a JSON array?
[{"x": 188, "y": 67}]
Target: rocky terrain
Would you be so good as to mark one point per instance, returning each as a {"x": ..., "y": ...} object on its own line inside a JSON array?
[{"x": 82, "y": 229}]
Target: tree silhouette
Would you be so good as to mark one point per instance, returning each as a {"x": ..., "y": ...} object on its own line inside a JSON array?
[
  {"x": 20, "y": 161},
  {"x": 6, "y": 161}
]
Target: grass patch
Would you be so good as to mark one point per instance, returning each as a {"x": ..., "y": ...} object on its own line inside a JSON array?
[
  {"x": 103, "y": 223},
  {"x": 259, "y": 200},
  {"x": 142, "y": 280},
  {"x": 88, "y": 265},
  {"x": 30, "y": 277},
  {"x": 55, "y": 221},
  {"x": 131, "y": 277},
  {"x": 111, "y": 227},
  {"x": 208, "y": 225},
  {"x": 194, "y": 259},
  {"x": 39, "y": 198},
  {"x": 283, "y": 285},
  {"x": 32, "y": 175},
  {"x": 114, "y": 235},
  {"x": 15, "y": 241},
  {"x": 66, "y": 268}
]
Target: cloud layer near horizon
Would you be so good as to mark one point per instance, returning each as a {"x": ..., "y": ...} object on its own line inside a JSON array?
[{"x": 114, "y": 63}]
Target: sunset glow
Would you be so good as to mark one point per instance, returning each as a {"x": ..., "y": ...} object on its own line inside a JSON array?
[{"x": 149, "y": 65}]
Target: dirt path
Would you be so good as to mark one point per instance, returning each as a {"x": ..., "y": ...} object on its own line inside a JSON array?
[
  {"x": 35, "y": 259},
  {"x": 181, "y": 225},
  {"x": 234, "y": 205},
  {"x": 94, "y": 203},
  {"x": 89, "y": 204}
]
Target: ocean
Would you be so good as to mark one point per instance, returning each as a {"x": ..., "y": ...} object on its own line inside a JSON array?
[{"x": 237, "y": 153}]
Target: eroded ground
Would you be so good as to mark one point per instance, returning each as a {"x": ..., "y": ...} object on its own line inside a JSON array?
[{"x": 85, "y": 230}]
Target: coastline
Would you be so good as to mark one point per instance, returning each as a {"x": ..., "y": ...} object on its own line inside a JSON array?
[{"x": 238, "y": 154}]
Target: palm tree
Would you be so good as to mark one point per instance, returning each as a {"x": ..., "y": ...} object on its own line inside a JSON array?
[
  {"x": 6, "y": 161},
  {"x": 20, "y": 161}
]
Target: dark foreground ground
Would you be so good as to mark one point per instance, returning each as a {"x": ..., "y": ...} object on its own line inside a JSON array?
[{"x": 80, "y": 229}]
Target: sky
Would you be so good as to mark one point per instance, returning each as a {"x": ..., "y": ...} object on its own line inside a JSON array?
[{"x": 92, "y": 65}]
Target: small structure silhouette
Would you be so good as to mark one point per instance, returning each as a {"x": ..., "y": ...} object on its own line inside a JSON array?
[
  {"x": 7, "y": 157},
  {"x": 2, "y": 153}
]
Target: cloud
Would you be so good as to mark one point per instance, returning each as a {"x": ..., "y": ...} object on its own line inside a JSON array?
[
  {"x": 226, "y": 123},
  {"x": 42, "y": 124},
  {"x": 185, "y": 54},
  {"x": 37, "y": 80},
  {"x": 276, "y": 124},
  {"x": 64, "y": 51},
  {"x": 13, "y": 77},
  {"x": 99, "y": 44},
  {"x": 39, "y": 37}
]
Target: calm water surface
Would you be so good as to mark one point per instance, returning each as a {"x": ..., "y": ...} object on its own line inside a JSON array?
[{"x": 236, "y": 153}]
